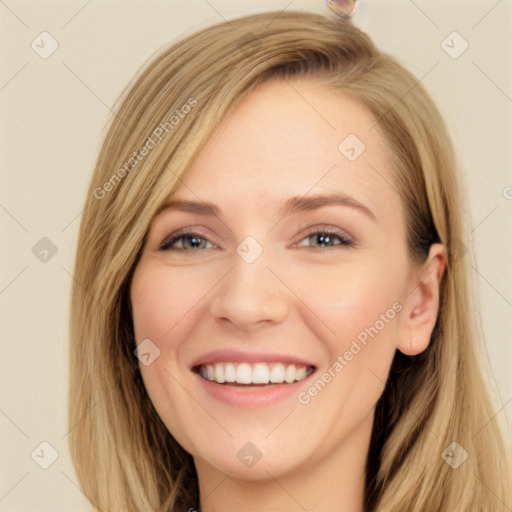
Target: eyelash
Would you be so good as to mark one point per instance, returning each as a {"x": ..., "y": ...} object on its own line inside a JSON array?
[{"x": 345, "y": 241}]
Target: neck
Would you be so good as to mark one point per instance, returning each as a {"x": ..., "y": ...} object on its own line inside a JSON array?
[{"x": 333, "y": 482}]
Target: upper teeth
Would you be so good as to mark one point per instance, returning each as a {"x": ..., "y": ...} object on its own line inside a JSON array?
[{"x": 258, "y": 373}]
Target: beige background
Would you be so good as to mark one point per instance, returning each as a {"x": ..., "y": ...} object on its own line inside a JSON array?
[{"x": 53, "y": 115}]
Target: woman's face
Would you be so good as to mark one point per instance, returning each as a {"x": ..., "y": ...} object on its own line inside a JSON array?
[{"x": 293, "y": 284}]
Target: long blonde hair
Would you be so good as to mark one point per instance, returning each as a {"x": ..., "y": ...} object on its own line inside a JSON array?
[{"x": 124, "y": 456}]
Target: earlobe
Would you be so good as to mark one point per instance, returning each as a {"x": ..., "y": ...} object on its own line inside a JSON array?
[{"x": 422, "y": 303}]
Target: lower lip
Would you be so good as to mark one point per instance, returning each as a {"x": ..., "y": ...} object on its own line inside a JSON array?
[{"x": 238, "y": 396}]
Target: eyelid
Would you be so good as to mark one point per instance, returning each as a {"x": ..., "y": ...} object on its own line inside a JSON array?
[{"x": 325, "y": 228}]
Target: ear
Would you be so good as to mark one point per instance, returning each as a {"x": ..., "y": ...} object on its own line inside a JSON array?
[{"x": 422, "y": 303}]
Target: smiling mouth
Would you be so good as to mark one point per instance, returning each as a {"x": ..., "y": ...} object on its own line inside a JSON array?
[{"x": 253, "y": 374}]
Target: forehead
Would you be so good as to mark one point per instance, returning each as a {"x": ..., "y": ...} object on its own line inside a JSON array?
[{"x": 292, "y": 138}]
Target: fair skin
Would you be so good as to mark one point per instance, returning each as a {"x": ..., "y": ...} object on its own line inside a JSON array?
[{"x": 305, "y": 296}]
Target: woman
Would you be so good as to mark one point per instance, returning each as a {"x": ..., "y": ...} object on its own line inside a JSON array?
[{"x": 221, "y": 362}]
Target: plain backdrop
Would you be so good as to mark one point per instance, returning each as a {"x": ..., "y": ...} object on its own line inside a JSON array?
[{"x": 54, "y": 112}]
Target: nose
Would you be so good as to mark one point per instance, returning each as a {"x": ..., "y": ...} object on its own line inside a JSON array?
[{"x": 250, "y": 296}]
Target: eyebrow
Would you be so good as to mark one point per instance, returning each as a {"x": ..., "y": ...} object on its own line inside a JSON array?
[{"x": 292, "y": 205}]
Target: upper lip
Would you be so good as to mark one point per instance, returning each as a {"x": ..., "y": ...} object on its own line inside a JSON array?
[{"x": 237, "y": 356}]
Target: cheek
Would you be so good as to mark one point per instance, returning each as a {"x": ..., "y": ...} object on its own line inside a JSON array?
[
  {"x": 166, "y": 302},
  {"x": 166, "y": 306},
  {"x": 357, "y": 308},
  {"x": 352, "y": 297},
  {"x": 361, "y": 306}
]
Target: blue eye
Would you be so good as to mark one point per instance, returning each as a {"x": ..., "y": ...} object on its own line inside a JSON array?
[
  {"x": 193, "y": 241},
  {"x": 327, "y": 237},
  {"x": 190, "y": 241}
]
